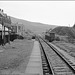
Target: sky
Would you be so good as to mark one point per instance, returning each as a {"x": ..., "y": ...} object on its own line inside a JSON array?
[{"x": 49, "y": 12}]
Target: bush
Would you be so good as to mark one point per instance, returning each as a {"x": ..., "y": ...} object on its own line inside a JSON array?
[
  {"x": 57, "y": 39},
  {"x": 33, "y": 37}
]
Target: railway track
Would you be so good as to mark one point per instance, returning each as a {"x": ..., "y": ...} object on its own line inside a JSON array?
[
  {"x": 53, "y": 61},
  {"x": 47, "y": 70}
]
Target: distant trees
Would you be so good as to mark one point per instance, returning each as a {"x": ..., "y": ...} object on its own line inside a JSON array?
[
  {"x": 74, "y": 25},
  {"x": 57, "y": 38}
]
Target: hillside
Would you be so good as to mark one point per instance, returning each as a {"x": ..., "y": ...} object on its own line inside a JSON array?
[
  {"x": 33, "y": 26},
  {"x": 65, "y": 31}
]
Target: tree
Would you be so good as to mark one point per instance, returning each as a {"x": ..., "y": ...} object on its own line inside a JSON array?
[{"x": 74, "y": 25}]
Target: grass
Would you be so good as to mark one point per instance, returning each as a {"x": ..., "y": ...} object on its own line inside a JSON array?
[
  {"x": 68, "y": 47},
  {"x": 16, "y": 55}
]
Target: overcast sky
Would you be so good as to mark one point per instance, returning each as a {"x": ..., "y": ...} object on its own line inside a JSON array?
[{"x": 48, "y": 12}]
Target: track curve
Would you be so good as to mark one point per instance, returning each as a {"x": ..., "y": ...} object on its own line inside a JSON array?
[{"x": 57, "y": 64}]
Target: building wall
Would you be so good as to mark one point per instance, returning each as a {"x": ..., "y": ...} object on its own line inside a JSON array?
[{"x": 18, "y": 29}]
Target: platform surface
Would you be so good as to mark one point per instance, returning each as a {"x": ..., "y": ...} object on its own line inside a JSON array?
[{"x": 34, "y": 66}]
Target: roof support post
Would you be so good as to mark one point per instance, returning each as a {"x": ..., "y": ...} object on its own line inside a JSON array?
[{"x": 8, "y": 36}]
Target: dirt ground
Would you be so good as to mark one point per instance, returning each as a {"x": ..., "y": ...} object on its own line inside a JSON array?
[{"x": 14, "y": 57}]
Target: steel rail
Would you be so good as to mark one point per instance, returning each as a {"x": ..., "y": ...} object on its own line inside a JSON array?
[
  {"x": 60, "y": 54},
  {"x": 51, "y": 72}
]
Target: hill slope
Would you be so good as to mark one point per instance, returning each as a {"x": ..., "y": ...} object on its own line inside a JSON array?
[
  {"x": 33, "y": 26},
  {"x": 65, "y": 31}
]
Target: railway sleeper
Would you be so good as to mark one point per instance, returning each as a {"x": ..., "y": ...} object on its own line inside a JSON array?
[
  {"x": 64, "y": 73},
  {"x": 62, "y": 70}
]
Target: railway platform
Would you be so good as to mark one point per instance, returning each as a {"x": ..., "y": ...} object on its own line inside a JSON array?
[{"x": 34, "y": 66}]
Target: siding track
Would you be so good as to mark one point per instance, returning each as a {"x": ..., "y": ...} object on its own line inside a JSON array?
[{"x": 57, "y": 63}]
